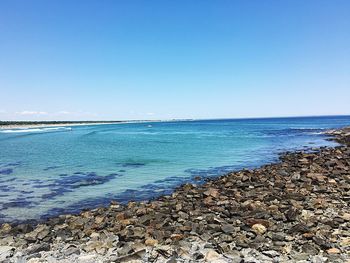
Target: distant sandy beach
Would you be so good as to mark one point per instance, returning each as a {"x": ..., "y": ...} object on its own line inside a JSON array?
[
  {"x": 29, "y": 125},
  {"x": 63, "y": 124},
  {"x": 43, "y": 125}
]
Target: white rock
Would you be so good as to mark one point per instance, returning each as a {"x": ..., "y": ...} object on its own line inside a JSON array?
[
  {"x": 6, "y": 252},
  {"x": 271, "y": 253},
  {"x": 87, "y": 258},
  {"x": 211, "y": 255}
]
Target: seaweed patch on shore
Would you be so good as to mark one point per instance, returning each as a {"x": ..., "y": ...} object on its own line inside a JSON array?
[
  {"x": 66, "y": 183},
  {"x": 6, "y": 171}
]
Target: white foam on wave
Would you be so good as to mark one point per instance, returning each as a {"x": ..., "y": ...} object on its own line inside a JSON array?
[{"x": 31, "y": 130}]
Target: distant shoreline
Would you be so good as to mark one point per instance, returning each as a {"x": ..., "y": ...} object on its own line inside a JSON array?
[
  {"x": 43, "y": 124},
  {"x": 28, "y": 125}
]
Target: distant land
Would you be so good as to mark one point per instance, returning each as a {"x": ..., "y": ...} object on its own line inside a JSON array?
[{"x": 33, "y": 124}]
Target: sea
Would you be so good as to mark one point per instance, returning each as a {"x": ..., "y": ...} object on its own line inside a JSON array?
[{"x": 45, "y": 172}]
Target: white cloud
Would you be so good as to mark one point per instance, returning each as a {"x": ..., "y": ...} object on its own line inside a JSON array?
[
  {"x": 2, "y": 111},
  {"x": 150, "y": 113},
  {"x": 26, "y": 112}
]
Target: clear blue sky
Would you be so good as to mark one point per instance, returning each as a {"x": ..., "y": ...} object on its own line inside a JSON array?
[{"x": 75, "y": 60}]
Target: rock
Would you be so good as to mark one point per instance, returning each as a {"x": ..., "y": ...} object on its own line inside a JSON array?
[
  {"x": 5, "y": 229},
  {"x": 151, "y": 242},
  {"x": 299, "y": 228},
  {"x": 34, "y": 260},
  {"x": 310, "y": 249},
  {"x": 99, "y": 220},
  {"x": 278, "y": 236},
  {"x": 229, "y": 229},
  {"x": 94, "y": 246},
  {"x": 318, "y": 259},
  {"x": 24, "y": 228},
  {"x": 333, "y": 251},
  {"x": 138, "y": 232},
  {"x": 253, "y": 221},
  {"x": 212, "y": 192},
  {"x": 126, "y": 222},
  {"x": 346, "y": 216},
  {"x": 77, "y": 223},
  {"x": 178, "y": 207},
  {"x": 176, "y": 236},
  {"x": 292, "y": 214},
  {"x": 40, "y": 232},
  {"x": 259, "y": 229},
  {"x": 95, "y": 236},
  {"x": 86, "y": 258},
  {"x": 36, "y": 248},
  {"x": 198, "y": 255},
  {"x": 6, "y": 252},
  {"x": 211, "y": 255},
  {"x": 271, "y": 253},
  {"x": 345, "y": 242},
  {"x": 71, "y": 250}
]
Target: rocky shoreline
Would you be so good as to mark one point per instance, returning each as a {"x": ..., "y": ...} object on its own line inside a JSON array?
[{"x": 296, "y": 210}]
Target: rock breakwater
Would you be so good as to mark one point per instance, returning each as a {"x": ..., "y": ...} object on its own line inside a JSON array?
[{"x": 296, "y": 210}]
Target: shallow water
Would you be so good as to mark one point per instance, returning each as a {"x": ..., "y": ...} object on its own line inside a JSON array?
[{"x": 48, "y": 171}]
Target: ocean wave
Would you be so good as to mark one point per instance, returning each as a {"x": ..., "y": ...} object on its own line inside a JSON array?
[
  {"x": 293, "y": 131},
  {"x": 31, "y": 130}
]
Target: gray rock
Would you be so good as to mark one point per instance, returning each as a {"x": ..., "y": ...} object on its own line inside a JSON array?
[
  {"x": 33, "y": 249},
  {"x": 229, "y": 229},
  {"x": 271, "y": 253}
]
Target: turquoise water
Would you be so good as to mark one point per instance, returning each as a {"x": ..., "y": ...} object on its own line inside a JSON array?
[{"x": 49, "y": 171}]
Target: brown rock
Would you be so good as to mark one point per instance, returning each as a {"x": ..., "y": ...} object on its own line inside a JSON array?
[
  {"x": 99, "y": 219},
  {"x": 151, "y": 242},
  {"x": 176, "y": 237},
  {"x": 333, "y": 251},
  {"x": 212, "y": 192}
]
